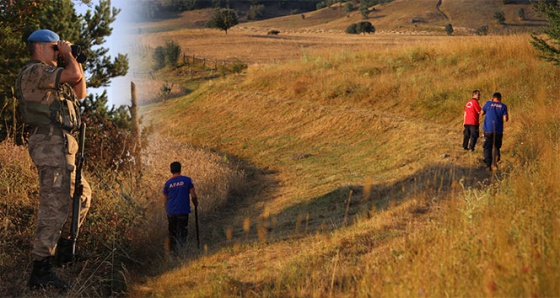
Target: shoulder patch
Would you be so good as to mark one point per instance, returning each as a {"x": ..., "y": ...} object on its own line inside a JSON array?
[{"x": 50, "y": 69}]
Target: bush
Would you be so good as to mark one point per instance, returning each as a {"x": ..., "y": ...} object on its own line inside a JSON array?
[
  {"x": 500, "y": 17},
  {"x": 361, "y": 27},
  {"x": 320, "y": 5},
  {"x": 449, "y": 29},
  {"x": 352, "y": 29},
  {"x": 348, "y": 7},
  {"x": 366, "y": 27},
  {"x": 159, "y": 57},
  {"x": 172, "y": 53}
]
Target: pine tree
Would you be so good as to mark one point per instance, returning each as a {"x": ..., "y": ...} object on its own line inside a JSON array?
[
  {"x": 18, "y": 19},
  {"x": 549, "y": 48}
]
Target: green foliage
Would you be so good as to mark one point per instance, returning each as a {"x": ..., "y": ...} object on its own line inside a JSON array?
[
  {"x": 165, "y": 90},
  {"x": 364, "y": 9},
  {"x": 352, "y": 29},
  {"x": 321, "y": 5},
  {"x": 361, "y": 27},
  {"x": 167, "y": 55},
  {"x": 108, "y": 139},
  {"x": 549, "y": 47},
  {"x": 365, "y": 27},
  {"x": 178, "y": 5},
  {"x": 500, "y": 17},
  {"x": 159, "y": 57},
  {"x": 172, "y": 53},
  {"x": 449, "y": 29},
  {"x": 18, "y": 19},
  {"x": 348, "y": 7},
  {"x": 223, "y": 19},
  {"x": 255, "y": 11}
]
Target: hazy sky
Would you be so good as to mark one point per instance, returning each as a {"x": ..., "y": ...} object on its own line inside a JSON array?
[{"x": 119, "y": 42}]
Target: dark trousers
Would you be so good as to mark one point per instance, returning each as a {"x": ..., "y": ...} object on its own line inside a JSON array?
[
  {"x": 470, "y": 134},
  {"x": 492, "y": 145},
  {"x": 178, "y": 229}
]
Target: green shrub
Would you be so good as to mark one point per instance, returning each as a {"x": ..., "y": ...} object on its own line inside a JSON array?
[
  {"x": 365, "y": 27},
  {"x": 352, "y": 29},
  {"x": 320, "y": 5},
  {"x": 449, "y": 29},
  {"x": 348, "y": 7},
  {"x": 500, "y": 17},
  {"x": 172, "y": 53},
  {"x": 159, "y": 57}
]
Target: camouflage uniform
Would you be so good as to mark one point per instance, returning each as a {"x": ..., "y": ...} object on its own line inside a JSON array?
[{"x": 53, "y": 150}]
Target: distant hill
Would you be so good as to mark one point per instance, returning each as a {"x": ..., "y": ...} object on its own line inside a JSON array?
[
  {"x": 429, "y": 16},
  {"x": 405, "y": 15}
]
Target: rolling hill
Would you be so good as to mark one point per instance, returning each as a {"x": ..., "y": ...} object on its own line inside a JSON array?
[
  {"x": 360, "y": 187},
  {"x": 426, "y": 16}
]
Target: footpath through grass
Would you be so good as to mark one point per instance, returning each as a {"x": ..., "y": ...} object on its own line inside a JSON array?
[{"x": 368, "y": 191}]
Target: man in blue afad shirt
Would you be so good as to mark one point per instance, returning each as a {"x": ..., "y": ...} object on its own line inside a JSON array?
[
  {"x": 496, "y": 114},
  {"x": 177, "y": 193}
]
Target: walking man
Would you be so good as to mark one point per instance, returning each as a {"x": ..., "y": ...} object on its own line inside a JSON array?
[
  {"x": 496, "y": 114},
  {"x": 48, "y": 96},
  {"x": 177, "y": 192},
  {"x": 471, "y": 122}
]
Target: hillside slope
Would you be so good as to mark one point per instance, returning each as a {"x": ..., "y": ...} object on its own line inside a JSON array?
[
  {"x": 426, "y": 17},
  {"x": 415, "y": 16},
  {"x": 367, "y": 187}
]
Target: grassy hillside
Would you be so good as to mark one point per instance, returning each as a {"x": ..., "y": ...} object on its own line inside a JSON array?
[
  {"x": 332, "y": 167},
  {"x": 396, "y": 16},
  {"x": 364, "y": 189}
]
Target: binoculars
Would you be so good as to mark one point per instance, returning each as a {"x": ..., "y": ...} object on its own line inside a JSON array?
[{"x": 76, "y": 52}]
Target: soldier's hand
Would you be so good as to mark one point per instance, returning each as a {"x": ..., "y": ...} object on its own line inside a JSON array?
[{"x": 64, "y": 47}]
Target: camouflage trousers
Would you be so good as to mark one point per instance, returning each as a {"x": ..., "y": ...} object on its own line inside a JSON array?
[{"x": 55, "y": 157}]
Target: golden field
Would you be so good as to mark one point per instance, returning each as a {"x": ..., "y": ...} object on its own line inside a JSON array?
[
  {"x": 331, "y": 167},
  {"x": 362, "y": 186}
]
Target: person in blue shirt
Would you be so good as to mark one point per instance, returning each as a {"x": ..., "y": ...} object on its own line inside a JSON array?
[
  {"x": 496, "y": 114},
  {"x": 178, "y": 191}
]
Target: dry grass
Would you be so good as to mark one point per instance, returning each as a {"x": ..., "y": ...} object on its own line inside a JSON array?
[
  {"x": 126, "y": 227},
  {"x": 374, "y": 196},
  {"x": 334, "y": 173}
]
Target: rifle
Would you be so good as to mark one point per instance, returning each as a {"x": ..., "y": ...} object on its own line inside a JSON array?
[{"x": 78, "y": 189}]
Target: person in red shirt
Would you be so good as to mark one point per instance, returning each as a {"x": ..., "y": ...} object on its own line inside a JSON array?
[{"x": 471, "y": 122}]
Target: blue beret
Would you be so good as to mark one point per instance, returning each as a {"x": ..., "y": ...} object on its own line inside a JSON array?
[{"x": 43, "y": 35}]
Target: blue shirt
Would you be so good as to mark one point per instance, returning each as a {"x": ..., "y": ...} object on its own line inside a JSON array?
[
  {"x": 177, "y": 190},
  {"x": 494, "y": 119}
]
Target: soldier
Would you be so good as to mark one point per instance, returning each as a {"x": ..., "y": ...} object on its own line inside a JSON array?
[{"x": 48, "y": 95}]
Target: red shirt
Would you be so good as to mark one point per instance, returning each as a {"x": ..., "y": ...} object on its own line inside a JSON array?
[{"x": 472, "y": 112}]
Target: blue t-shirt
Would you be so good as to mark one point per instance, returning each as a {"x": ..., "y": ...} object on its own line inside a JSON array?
[
  {"x": 494, "y": 119},
  {"x": 177, "y": 190}
]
